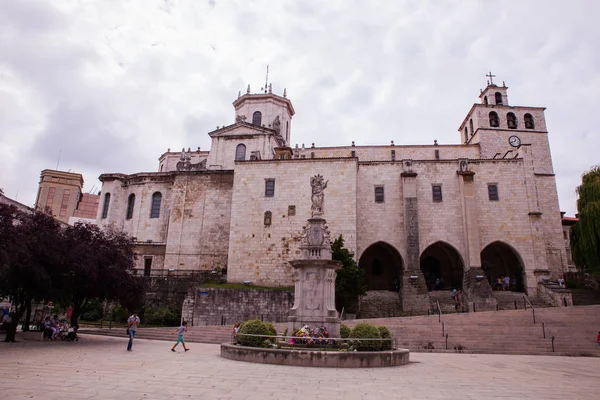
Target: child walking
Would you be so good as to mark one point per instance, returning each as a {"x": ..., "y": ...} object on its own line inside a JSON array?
[{"x": 179, "y": 331}]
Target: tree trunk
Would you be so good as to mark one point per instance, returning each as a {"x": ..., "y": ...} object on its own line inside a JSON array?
[
  {"x": 11, "y": 329},
  {"x": 27, "y": 318},
  {"x": 77, "y": 307}
]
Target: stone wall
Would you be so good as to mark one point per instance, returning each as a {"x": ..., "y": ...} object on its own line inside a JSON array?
[
  {"x": 198, "y": 237},
  {"x": 211, "y": 306},
  {"x": 384, "y": 153},
  {"x": 260, "y": 252}
]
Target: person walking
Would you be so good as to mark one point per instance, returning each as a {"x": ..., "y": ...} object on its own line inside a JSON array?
[
  {"x": 132, "y": 324},
  {"x": 179, "y": 331}
]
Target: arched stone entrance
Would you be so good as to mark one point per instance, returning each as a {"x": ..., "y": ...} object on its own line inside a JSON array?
[
  {"x": 498, "y": 260},
  {"x": 383, "y": 267},
  {"x": 442, "y": 267}
]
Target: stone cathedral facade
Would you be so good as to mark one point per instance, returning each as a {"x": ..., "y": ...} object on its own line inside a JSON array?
[{"x": 417, "y": 217}]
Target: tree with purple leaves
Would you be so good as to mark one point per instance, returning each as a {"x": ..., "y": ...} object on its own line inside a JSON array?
[{"x": 42, "y": 260}]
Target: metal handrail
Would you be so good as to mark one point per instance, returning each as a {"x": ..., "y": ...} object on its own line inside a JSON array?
[
  {"x": 444, "y": 327},
  {"x": 544, "y": 328}
]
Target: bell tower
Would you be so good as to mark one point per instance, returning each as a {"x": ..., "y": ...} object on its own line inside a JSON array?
[{"x": 267, "y": 110}]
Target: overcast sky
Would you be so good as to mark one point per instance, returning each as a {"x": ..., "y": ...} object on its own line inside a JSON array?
[{"x": 111, "y": 84}]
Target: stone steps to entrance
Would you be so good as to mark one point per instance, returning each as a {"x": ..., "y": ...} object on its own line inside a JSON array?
[{"x": 493, "y": 332}]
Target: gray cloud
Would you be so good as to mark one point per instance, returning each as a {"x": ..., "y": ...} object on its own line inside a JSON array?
[{"x": 114, "y": 85}]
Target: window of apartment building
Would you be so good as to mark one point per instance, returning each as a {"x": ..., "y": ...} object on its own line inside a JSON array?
[
  {"x": 130, "y": 204},
  {"x": 437, "y": 192},
  {"x": 155, "y": 208},
  {"x": 105, "y": 205},
  {"x": 50, "y": 197},
  {"x": 269, "y": 187},
  {"x": 493, "y": 191},
  {"x": 147, "y": 266},
  {"x": 65, "y": 202},
  {"x": 379, "y": 194}
]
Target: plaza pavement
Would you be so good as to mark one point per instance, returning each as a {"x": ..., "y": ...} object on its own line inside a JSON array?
[{"x": 101, "y": 368}]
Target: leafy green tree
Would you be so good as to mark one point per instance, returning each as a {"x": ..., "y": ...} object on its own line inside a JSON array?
[
  {"x": 585, "y": 239},
  {"x": 350, "y": 281}
]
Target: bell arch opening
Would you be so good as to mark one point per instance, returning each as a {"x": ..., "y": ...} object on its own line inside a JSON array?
[
  {"x": 442, "y": 267},
  {"x": 383, "y": 267},
  {"x": 499, "y": 260}
]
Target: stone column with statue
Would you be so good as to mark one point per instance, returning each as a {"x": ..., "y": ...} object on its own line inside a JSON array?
[{"x": 315, "y": 272}]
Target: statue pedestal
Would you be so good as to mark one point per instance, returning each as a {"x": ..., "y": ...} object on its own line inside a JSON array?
[{"x": 314, "y": 301}]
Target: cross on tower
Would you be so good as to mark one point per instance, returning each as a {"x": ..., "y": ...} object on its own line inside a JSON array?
[{"x": 489, "y": 75}]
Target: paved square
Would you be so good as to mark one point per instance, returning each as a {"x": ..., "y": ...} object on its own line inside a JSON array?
[{"x": 100, "y": 368}]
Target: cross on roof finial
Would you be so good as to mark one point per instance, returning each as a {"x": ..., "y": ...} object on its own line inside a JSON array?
[
  {"x": 267, "y": 79},
  {"x": 489, "y": 75}
]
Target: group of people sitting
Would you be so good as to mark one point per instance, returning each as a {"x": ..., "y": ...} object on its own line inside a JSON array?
[{"x": 54, "y": 328}]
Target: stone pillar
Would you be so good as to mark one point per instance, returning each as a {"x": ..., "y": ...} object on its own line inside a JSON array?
[
  {"x": 314, "y": 281},
  {"x": 476, "y": 287},
  {"x": 415, "y": 297},
  {"x": 314, "y": 300}
]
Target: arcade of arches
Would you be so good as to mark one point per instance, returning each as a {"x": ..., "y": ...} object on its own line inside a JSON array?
[
  {"x": 499, "y": 260},
  {"x": 383, "y": 267},
  {"x": 442, "y": 267}
]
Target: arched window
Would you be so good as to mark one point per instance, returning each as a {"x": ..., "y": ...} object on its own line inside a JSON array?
[
  {"x": 105, "y": 206},
  {"x": 287, "y": 130},
  {"x": 498, "y": 98},
  {"x": 256, "y": 118},
  {"x": 471, "y": 127},
  {"x": 494, "y": 121},
  {"x": 485, "y": 100},
  {"x": 511, "y": 120},
  {"x": 130, "y": 203},
  {"x": 466, "y": 134},
  {"x": 240, "y": 152},
  {"x": 155, "y": 207},
  {"x": 529, "y": 121}
]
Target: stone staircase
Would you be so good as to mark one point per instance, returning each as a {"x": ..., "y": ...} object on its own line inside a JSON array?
[
  {"x": 506, "y": 301},
  {"x": 501, "y": 332},
  {"x": 492, "y": 332}
]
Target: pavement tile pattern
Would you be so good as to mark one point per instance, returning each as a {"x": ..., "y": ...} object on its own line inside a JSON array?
[{"x": 101, "y": 368}]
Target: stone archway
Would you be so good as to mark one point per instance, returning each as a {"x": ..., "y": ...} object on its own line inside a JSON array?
[
  {"x": 498, "y": 260},
  {"x": 442, "y": 267},
  {"x": 383, "y": 267}
]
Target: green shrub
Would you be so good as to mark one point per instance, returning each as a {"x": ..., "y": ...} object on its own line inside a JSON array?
[
  {"x": 344, "y": 331},
  {"x": 163, "y": 316},
  {"x": 385, "y": 333},
  {"x": 363, "y": 331},
  {"x": 272, "y": 330},
  {"x": 93, "y": 311},
  {"x": 119, "y": 314},
  {"x": 255, "y": 327}
]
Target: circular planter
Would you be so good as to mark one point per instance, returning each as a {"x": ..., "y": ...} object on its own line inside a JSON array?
[{"x": 316, "y": 358}]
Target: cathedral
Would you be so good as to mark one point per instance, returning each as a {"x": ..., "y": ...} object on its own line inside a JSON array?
[{"x": 417, "y": 217}]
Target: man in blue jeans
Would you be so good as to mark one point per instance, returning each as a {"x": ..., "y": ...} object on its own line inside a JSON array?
[{"x": 132, "y": 324}]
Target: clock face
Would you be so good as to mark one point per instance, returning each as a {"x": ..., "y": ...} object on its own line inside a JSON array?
[{"x": 514, "y": 141}]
